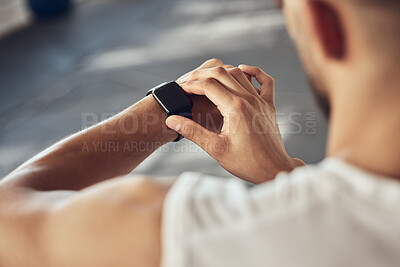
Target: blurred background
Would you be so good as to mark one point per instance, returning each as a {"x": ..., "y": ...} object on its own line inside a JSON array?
[{"x": 93, "y": 58}]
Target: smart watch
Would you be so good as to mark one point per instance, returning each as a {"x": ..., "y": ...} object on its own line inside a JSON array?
[{"x": 173, "y": 100}]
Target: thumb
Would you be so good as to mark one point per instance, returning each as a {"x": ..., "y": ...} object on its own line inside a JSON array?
[{"x": 189, "y": 129}]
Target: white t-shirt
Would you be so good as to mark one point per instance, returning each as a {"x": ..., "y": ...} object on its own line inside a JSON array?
[{"x": 331, "y": 214}]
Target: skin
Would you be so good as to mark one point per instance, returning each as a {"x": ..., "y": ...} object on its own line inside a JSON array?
[
  {"x": 85, "y": 213},
  {"x": 69, "y": 206},
  {"x": 249, "y": 122},
  {"x": 361, "y": 85}
]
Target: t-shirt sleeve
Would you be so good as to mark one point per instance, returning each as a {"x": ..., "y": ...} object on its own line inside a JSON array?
[
  {"x": 191, "y": 210},
  {"x": 209, "y": 222}
]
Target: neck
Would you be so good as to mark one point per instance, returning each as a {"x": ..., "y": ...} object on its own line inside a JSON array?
[{"x": 365, "y": 125}]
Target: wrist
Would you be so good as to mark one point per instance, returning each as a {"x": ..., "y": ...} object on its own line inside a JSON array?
[
  {"x": 151, "y": 123},
  {"x": 206, "y": 113}
]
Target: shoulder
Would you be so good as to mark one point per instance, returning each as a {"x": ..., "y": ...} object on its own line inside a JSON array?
[
  {"x": 209, "y": 215},
  {"x": 279, "y": 223},
  {"x": 202, "y": 201}
]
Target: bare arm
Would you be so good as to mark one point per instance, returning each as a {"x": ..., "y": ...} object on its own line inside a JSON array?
[
  {"x": 110, "y": 149},
  {"x": 37, "y": 197},
  {"x": 46, "y": 221}
]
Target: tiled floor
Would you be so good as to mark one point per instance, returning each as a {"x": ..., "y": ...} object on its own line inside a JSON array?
[{"x": 106, "y": 54}]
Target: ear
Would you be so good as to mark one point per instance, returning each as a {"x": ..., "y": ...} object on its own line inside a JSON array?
[{"x": 328, "y": 28}]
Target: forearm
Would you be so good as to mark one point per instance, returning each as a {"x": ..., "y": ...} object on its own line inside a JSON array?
[{"x": 112, "y": 148}]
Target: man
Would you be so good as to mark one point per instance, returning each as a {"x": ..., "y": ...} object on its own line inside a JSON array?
[{"x": 55, "y": 210}]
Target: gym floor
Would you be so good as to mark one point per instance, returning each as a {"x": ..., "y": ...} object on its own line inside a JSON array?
[{"x": 103, "y": 57}]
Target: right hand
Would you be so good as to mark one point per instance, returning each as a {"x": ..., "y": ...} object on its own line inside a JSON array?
[
  {"x": 204, "y": 111},
  {"x": 249, "y": 145}
]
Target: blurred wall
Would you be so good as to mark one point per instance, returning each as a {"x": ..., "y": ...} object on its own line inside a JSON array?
[{"x": 13, "y": 14}]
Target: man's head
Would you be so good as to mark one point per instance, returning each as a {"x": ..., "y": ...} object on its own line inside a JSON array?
[{"x": 342, "y": 42}]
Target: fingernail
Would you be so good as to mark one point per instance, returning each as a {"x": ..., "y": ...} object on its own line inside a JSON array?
[{"x": 173, "y": 123}]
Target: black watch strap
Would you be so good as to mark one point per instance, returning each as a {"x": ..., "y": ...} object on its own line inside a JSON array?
[{"x": 173, "y": 100}]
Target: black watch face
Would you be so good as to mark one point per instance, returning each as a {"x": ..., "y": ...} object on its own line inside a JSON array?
[{"x": 173, "y": 98}]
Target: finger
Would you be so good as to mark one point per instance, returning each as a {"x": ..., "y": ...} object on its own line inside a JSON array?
[
  {"x": 221, "y": 75},
  {"x": 249, "y": 78},
  {"x": 213, "y": 90},
  {"x": 211, "y": 63},
  {"x": 192, "y": 131},
  {"x": 228, "y": 67},
  {"x": 232, "y": 67},
  {"x": 266, "y": 82},
  {"x": 243, "y": 80},
  {"x": 206, "y": 65}
]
